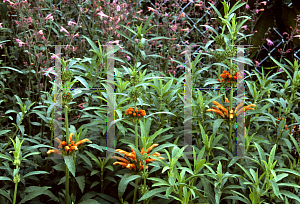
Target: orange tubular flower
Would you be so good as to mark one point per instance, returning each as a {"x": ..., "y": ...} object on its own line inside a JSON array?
[
  {"x": 217, "y": 112},
  {"x": 246, "y": 108},
  {"x": 223, "y": 111},
  {"x": 81, "y": 141},
  {"x": 67, "y": 147},
  {"x": 132, "y": 156},
  {"x": 55, "y": 151}
]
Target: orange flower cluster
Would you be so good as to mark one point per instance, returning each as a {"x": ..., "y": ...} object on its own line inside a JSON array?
[
  {"x": 68, "y": 148},
  {"x": 226, "y": 75},
  {"x": 132, "y": 156},
  {"x": 222, "y": 111},
  {"x": 137, "y": 112}
]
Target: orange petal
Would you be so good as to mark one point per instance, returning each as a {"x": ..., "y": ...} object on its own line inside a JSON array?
[
  {"x": 70, "y": 137},
  {"x": 82, "y": 141},
  {"x": 120, "y": 163},
  {"x": 58, "y": 140},
  {"x": 151, "y": 147},
  {"x": 121, "y": 159},
  {"x": 142, "y": 151}
]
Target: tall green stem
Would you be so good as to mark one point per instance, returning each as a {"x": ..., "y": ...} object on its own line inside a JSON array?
[
  {"x": 67, "y": 185},
  {"x": 137, "y": 146},
  {"x": 15, "y": 193},
  {"x": 67, "y": 170}
]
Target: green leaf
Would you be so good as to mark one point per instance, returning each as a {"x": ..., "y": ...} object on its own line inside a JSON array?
[
  {"x": 29, "y": 154},
  {"x": 261, "y": 153},
  {"x": 86, "y": 159},
  {"x": 3, "y": 156},
  {"x": 152, "y": 193},
  {"x": 90, "y": 201},
  {"x": 70, "y": 164},
  {"x": 124, "y": 182},
  {"x": 275, "y": 189},
  {"x": 93, "y": 157},
  {"x": 125, "y": 36},
  {"x": 81, "y": 182},
  {"x": 95, "y": 48},
  {"x": 160, "y": 182},
  {"x": 35, "y": 173},
  {"x": 5, "y": 178},
  {"x": 2, "y": 132},
  {"x": 34, "y": 194},
  {"x": 12, "y": 69},
  {"x": 5, "y": 194},
  {"x": 82, "y": 80},
  {"x": 216, "y": 126},
  {"x": 290, "y": 195}
]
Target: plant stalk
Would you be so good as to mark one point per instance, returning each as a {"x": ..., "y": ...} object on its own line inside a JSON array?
[{"x": 15, "y": 193}]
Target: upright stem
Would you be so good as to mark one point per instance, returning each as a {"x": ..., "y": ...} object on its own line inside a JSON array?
[
  {"x": 67, "y": 170},
  {"x": 137, "y": 146},
  {"x": 67, "y": 185},
  {"x": 15, "y": 193}
]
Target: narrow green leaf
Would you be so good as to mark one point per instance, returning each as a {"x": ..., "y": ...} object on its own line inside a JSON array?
[
  {"x": 81, "y": 182},
  {"x": 35, "y": 173},
  {"x": 34, "y": 194},
  {"x": 5, "y": 178},
  {"x": 124, "y": 182},
  {"x": 152, "y": 193},
  {"x": 5, "y": 194}
]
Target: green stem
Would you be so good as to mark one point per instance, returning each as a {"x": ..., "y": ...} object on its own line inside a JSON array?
[
  {"x": 135, "y": 190},
  {"x": 67, "y": 185},
  {"x": 137, "y": 146},
  {"x": 15, "y": 193},
  {"x": 67, "y": 124},
  {"x": 67, "y": 140}
]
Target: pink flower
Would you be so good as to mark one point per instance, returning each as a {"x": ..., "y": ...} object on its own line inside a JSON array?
[
  {"x": 76, "y": 35},
  {"x": 71, "y": 23},
  {"x": 166, "y": 14},
  {"x": 128, "y": 58},
  {"x": 263, "y": 2},
  {"x": 297, "y": 36},
  {"x": 63, "y": 29},
  {"x": 0, "y": 25},
  {"x": 29, "y": 20},
  {"x": 116, "y": 41},
  {"x": 244, "y": 27},
  {"x": 174, "y": 28},
  {"x": 257, "y": 11},
  {"x": 20, "y": 42},
  {"x": 40, "y": 32},
  {"x": 105, "y": 21},
  {"x": 101, "y": 14},
  {"x": 49, "y": 17},
  {"x": 49, "y": 69},
  {"x": 269, "y": 42},
  {"x": 118, "y": 8},
  {"x": 1, "y": 46},
  {"x": 256, "y": 63},
  {"x": 247, "y": 6}
]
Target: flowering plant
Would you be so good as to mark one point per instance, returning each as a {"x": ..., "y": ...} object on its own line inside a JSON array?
[{"x": 67, "y": 149}]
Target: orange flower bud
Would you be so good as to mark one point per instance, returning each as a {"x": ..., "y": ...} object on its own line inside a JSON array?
[
  {"x": 63, "y": 143},
  {"x": 134, "y": 114},
  {"x": 230, "y": 76},
  {"x": 139, "y": 115}
]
